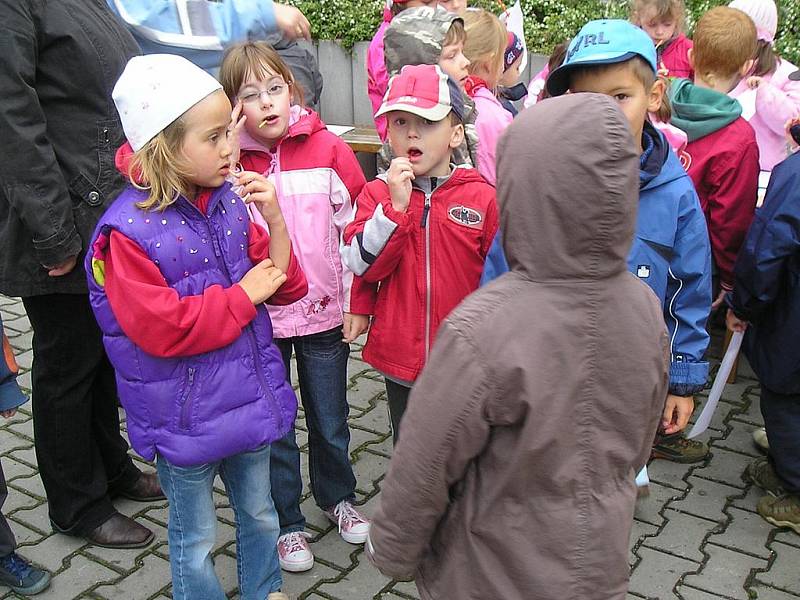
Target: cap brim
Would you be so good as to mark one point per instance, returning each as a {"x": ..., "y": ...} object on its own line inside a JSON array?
[
  {"x": 795, "y": 76},
  {"x": 558, "y": 82},
  {"x": 433, "y": 113}
]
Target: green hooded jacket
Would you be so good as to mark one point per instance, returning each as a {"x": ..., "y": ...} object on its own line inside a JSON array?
[{"x": 701, "y": 111}]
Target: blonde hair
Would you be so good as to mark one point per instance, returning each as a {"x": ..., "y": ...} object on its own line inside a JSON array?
[
  {"x": 487, "y": 39},
  {"x": 664, "y": 9},
  {"x": 724, "y": 40},
  {"x": 158, "y": 167},
  {"x": 254, "y": 58}
]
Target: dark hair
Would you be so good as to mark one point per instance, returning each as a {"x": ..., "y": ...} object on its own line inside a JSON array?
[
  {"x": 641, "y": 69},
  {"x": 766, "y": 59},
  {"x": 556, "y": 60}
]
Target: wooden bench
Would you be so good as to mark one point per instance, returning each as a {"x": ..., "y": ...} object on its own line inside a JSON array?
[{"x": 363, "y": 139}]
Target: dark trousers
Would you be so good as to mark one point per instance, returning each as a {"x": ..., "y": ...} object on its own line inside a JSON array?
[
  {"x": 7, "y": 541},
  {"x": 82, "y": 456},
  {"x": 322, "y": 374},
  {"x": 782, "y": 420},
  {"x": 397, "y": 397}
]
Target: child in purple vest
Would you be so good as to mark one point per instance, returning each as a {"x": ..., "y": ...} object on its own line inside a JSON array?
[{"x": 178, "y": 277}]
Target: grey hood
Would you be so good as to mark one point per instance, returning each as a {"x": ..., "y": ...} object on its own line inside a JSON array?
[{"x": 572, "y": 188}]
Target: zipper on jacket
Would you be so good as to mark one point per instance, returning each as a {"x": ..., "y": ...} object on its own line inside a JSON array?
[
  {"x": 185, "y": 404},
  {"x": 424, "y": 224}
]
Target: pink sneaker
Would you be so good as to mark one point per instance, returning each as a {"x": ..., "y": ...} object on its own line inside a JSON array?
[
  {"x": 293, "y": 552},
  {"x": 353, "y": 526}
]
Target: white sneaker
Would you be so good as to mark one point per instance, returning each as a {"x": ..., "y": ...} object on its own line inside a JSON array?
[
  {"x": 293, "y": 552},
  {"x": 277, "y": 596},
  {"x": 760, "y": 439},
  {"x": 353, "y": 526}
]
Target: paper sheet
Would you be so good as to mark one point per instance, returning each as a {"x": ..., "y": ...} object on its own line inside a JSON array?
[
  {"x": 339, "y": 130},
  {"x": 514, "y": 22},
  {"x": 719, "y": 384}
]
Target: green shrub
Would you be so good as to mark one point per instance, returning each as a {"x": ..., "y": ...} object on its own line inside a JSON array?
[{"x": 547, "y": 22}]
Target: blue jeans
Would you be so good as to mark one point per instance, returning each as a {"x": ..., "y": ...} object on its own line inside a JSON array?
[
  {"x": 322, "y": 371},
  {"x": 193, "y": 520}
]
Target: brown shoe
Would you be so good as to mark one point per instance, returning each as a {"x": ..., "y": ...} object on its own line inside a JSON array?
[
  {"x": 146, "y": 489},
  {"x": 120, "y": 532}
]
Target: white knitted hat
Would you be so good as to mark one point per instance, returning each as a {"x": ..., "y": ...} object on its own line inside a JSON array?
[
  {"x": 764, "y": 14},
  {"x": 156, "y": 89}
]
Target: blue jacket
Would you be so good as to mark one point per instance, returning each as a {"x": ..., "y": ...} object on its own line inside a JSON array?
[
  {"x": 767, "y": 283},
  {"x": 202, "y": 408},
  {"x": 671, "y": 253},
  {"x": 198, "y": 33}
]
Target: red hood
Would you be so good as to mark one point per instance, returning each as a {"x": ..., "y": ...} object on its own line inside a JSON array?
[
  {"x": 473, "y": 84},
  {"x": 122, "y": 160}
]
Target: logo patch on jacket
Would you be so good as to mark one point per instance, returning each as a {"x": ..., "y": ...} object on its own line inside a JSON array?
[
  {"x": 686, "y": 159},
  {"x": 463, "y": 215},
  {"x": 643, "y": 271}
]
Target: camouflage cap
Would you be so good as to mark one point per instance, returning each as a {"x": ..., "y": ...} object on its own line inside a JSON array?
[{"x": 416, "y": 37}]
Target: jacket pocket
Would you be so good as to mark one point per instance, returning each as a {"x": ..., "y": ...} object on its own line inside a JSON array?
[{"x": 187, "y": 401}]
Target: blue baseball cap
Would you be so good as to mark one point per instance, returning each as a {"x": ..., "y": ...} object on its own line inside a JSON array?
[{"x": 602, "y": 42}]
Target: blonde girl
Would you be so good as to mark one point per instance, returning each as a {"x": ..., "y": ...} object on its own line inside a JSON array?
[{"x": 664, "y": 21}]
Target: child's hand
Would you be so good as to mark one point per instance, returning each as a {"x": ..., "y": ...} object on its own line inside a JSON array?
[
  {"x": 793, "y": 132},
  {"x": 734, "y": 323},
  {"x": 399, "y": 179},
  {"x": 354, "y": 326},
  {"x": 263, "y": 280},
  {"x": 234, "y": 130},
  {"x": 7, "y": 414},
  {"x": 676, "y": 415},
  {"x": 753, "y": 82},
  {"x": 256, "y": 188}
]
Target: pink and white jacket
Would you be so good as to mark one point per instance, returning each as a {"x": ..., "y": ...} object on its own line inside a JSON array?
[
  {"x": 777, "y": 102},
  {"x": 377, "y": 75},
  {"x": 536, "y": 86},
  {"x": 317, "y": 178},
  {"x": 490, "y": 123}
]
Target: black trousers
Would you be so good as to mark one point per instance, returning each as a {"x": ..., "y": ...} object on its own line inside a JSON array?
[
  {"x": 7, "y": 541},
  {"x": 82, "y": 456},
  {"x": 781, "y": 414},
  {"x": 397, "y": 397}
]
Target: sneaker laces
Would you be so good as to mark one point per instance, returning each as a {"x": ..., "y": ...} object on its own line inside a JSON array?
[
  {"x": 294, "y": 542},
  {"x": 346, "y": 514},
  {"x": 17, "y": 566}
]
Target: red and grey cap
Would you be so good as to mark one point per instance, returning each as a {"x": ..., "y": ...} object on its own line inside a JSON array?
[{"x": 425, "y": 91}]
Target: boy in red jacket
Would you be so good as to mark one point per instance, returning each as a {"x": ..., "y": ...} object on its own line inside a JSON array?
[
  {"x": 421, "y": 231},
  {"x": 722, "y": 154}
]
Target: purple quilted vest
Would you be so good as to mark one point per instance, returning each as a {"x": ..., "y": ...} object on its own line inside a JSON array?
[{"x": 197, "y": 409}]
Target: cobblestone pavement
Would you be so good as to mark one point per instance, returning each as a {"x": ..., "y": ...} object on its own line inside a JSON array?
[{"x": 696, "y": 536}]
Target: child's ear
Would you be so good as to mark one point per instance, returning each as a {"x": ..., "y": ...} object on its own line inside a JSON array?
[
  {"x": 656, "y": 96},
  {"x": 456, "y": 136},
  {"x": 690, "y": 57},
  {"x": 747, "y": 67}
]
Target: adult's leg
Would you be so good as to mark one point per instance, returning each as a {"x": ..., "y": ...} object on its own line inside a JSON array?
[
  {"x": 782, "y": 420},
  {"x": 246, "y": 479},
  {"x": 397, "y": 398},
  {"x": 7, "y": 541},
  {"x": 284, "y": 469},
  {"x": 191, "y": 529},
  {"x": 68, "y": 412},
  {"x": 322, "y": 372}
]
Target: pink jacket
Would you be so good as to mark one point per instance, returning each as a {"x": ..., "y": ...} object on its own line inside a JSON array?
[
  {"x": 777, "y": 101},
  {"x": 536, "y": 86},
  {"x": 492, "y": 120},
  {"x": 317, "y": 178},
  {"x": 377, "y": 76}
]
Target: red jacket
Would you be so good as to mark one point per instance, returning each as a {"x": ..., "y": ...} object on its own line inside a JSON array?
[
  {"x": 675, "y": 58},
  {"x": 724, "y": 168},
  {"x": 427, "y": 260}
]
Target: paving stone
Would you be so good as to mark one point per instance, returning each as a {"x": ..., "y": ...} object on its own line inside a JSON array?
[
  {"x": 153, "y": 576},
  {"x": 786, "y": 536},
  {"x": 668, "y": 473},
  {"x": 53, "y": 550},
  {"x": 24, "y": 428},
  {"x": 690, "y": 593},
  {"x": 36, "y": 518},
  {"x": 752, "y": 414},
  {"x": 648, "y": 508},
  {"x": 363, "y": 392},
  {"x": 13, "y": 469},
  {"x": 726, "y": 467},
  {"x": 740, "y": 439},
  {"x": 743, "y": 533},
  {"x": 725, "y": 572},
  {"x": 333, "y": 550},
  {"x": 682, "y": 535},
  {"x": 364, "y": 581},
  {"x": 706, "y": 499},
  {"x": 762, "y": 592},
  {"x": 784, "y": 571},
  {"x": 638, "y": 532},
  {"x": 750, "y": 501},
  {"x": 81, "y": 575},
  {"x": 657, "y": 574},
  {"x": 296, "y": 584},
  {"x": 369, "y": 469}
]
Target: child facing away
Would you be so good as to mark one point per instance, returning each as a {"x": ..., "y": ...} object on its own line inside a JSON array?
[
  {"x": 510, "y": 89},
  {"x": 422, "y": 230},
  {"x": 317, "y": 179},
  {"x": 177, "y": 280},
  {"x": 485, "y": 50},
  {"x": 433, "y": 36},
  {"x": 771, "y": 98},
  {"x": 671, "y": 251},
  {"x": 766, "y": 295},
  {"x": 663, "y": 21},
  {"x": 513, "y": 476},
  {"x": 377, "y": 75},
  {"x": 721, "y": 156}
]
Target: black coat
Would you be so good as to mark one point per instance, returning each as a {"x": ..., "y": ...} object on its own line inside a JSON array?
[
  {"x": 767, "y": 283},
  {"x": 59, "y": 130}
]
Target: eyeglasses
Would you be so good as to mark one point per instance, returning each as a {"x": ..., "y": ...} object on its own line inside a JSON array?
[{"x": 273, "y": 91}]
